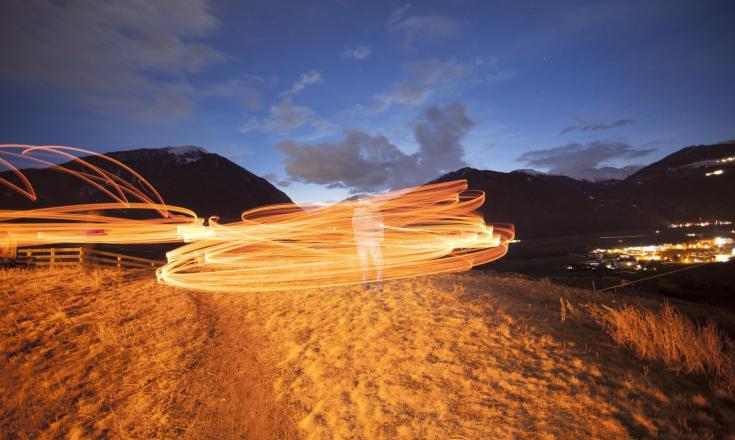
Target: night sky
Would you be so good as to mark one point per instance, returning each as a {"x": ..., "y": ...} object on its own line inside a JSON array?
[{"x": 328, "y": 98}]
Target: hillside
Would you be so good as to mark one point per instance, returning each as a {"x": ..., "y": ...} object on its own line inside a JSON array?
[
  {"x": 678, "y": 186},
  {"x": 114, "y": 355},
  {"x": 673, "y": 189},
  {"x": 185, "y": 176}
]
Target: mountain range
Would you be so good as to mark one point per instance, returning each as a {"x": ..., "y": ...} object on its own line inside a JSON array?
[
  {"x": 696, "y": 182},
  {"x": 187, "y": 176},
  {"x": 596, "y": 174}
]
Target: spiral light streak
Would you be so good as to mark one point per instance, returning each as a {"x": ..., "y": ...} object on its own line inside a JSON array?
[
  {"x": 79, "y": 224},
  {"x": 89, "y": 223},
  {"x": 428, "y": 229}
]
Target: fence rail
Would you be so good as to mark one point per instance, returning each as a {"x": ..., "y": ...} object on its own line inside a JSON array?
[{"x": 81, "y": 256}]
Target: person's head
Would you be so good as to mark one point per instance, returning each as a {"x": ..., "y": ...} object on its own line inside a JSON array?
[{"x": 364, "y": 202}]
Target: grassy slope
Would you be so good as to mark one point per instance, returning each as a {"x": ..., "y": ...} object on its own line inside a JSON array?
[
  {"x": 471, "y": 355},
  {"x": 96, "y": 354}
]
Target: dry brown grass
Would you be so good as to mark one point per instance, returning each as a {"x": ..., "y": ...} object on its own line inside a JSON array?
[
  {"x": 104, "y": 354},
  {"x": 109, "y": 354},
  {"x": 651, "y": 398},
  {"x": 467, "y": 356},
  {"x": 668, "y": 336}
]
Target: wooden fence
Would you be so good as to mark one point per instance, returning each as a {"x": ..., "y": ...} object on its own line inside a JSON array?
[{"x": 81, "y": 256}]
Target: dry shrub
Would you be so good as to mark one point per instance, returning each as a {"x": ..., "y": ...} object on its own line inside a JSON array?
[
  {"x": 569, "y": 309},
  {"x": 668, "y": 336}
]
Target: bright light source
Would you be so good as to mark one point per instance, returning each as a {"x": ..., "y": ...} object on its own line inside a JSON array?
[
  {"x": 714, "y": 173},
  {"x": 721, "y": 241},
  {"x": 428, "y": 229}
]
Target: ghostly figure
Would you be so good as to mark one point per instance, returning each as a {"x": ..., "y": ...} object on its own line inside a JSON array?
[
  {"x": 367, "y": 225},
  {"x": 8, "y": 247}
]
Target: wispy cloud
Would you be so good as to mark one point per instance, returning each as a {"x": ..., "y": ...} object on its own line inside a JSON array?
[
  {"x": 244, "y": 89},
  {"x": 425, "y": 77},
  {"x": 366, "y": 163},
  {"x": 583, "y": 125},
  {"x": 492, "y": 70},
  {"x": 127, "y": 56},
  {"x": 277, "y": 180},
  {"x": 306, "y": 79},
  {"x": 283, "y": 117},
  {"x": 582, "y": 161},
  {"x": 428, "y": 78},
  {"x": 356, "y": 53},
  {"x": 416, "y": 28}
]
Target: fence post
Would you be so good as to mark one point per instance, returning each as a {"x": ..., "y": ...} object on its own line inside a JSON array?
[
  {"x": 119, "y": 262},
  {"x": 81, "y": 256},
  {"x": 53, "y": 257}
]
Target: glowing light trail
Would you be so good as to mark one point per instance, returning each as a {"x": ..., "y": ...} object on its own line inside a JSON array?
[
  {"x": 428, "y": 229},
  {"x": 89, "y": 223}
]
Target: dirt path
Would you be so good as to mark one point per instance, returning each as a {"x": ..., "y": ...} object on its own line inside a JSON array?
[
  {"x": 105, "y": 355},
  {"x": 234, "y": 382},
  {"x": 465, "y": 356}
]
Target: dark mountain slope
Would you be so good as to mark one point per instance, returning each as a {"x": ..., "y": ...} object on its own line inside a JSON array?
[
  {"x": 538, "y": 205},
  {"x": 187, "y": 176},
  {"x": 678, "y": 187},
  {"x": 673, "y": 189}
]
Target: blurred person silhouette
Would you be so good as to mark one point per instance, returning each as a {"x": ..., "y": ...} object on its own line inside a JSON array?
[
  {"x": 8, "y": 247},
  {"x": 367, "y": 226}
]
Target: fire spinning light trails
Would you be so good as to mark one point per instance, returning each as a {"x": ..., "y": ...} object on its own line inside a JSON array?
[
  {"x": 89, "y": 223},
  {"x": 428, "y": 229}
]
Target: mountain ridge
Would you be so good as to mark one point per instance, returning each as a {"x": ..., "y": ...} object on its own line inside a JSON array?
[
  {"x": 682, "y": 186},
  {"x": 187, "y": 176},
  {"x": 664, "y": 192}
]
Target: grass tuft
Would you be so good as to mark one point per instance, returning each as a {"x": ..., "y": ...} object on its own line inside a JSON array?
[{"x": 666, "y": 335}]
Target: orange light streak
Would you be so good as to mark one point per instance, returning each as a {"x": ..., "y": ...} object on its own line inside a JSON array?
[
  {"x": 89, "y": 223},
  {"x": 428, "y": 229}
]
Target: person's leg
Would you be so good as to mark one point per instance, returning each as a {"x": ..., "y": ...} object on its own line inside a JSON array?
[
  {"x": 362, "y": 257},
  {"x": 376, "y": 256}
]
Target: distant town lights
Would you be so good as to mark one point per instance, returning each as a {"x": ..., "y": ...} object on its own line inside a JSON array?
[
  {"x": 714, "y": 173},
  {"x": 717, "y": 249},
  {"x": 701, "y": 224},
  {"x": 721, "y": 241}
]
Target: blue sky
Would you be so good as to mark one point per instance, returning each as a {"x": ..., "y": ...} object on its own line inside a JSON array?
[{"x": 328, "y": 98}]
